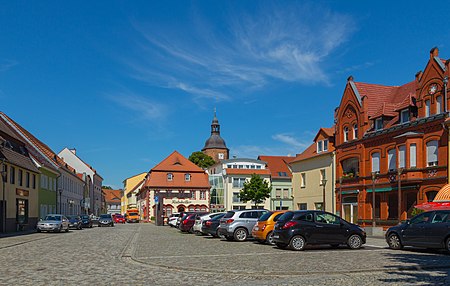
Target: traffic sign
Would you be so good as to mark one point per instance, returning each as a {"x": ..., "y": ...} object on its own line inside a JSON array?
[{"x": 156, "y": 199}]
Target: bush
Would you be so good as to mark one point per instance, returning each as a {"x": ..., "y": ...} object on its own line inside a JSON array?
[
  {"x": 152, "y": 218},
  {"x": 415, "y": 212}
]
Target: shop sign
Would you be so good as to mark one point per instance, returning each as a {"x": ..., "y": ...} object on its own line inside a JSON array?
[{"x": 181, "y": 201}]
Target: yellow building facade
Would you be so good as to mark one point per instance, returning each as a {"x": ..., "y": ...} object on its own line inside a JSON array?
[{"x": 129, "y": 186}]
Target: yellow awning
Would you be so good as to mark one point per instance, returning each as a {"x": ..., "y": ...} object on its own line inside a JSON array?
[{"x": 443, "y": 195}]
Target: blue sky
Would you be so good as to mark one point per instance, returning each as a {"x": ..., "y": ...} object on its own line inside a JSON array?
[{"x": 127, "y": 83}]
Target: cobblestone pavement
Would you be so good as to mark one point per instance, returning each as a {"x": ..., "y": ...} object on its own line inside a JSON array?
[{"x": 143, "y": 254}]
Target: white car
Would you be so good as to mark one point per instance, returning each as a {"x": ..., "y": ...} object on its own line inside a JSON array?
[
  {"x": 172, "y": 220},
  {"x": 53, "y": 222},
  {"x": 197, "y": 228}
]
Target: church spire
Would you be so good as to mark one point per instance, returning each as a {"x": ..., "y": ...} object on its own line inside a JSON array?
[{"x": 215, "y": 146}]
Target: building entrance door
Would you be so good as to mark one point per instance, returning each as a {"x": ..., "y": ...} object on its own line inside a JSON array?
[{"x": 350, "y": 209}]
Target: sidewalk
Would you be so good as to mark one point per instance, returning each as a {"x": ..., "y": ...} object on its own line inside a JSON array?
[{"x": 17, "y": 233}]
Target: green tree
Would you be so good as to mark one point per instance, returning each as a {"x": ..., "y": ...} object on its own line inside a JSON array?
[
  {"x": 255, "y": 190},
  {"x": 201, "y": 159},
  {"x": 107, "y": 187}
]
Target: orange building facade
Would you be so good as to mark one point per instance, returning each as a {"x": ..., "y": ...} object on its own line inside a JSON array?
[{"x": 392, "y": 140}]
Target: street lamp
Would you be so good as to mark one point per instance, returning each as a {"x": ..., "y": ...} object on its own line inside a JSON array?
[
  {"x": 445, "y": 81},
  {"x": 324, "y": 182},
  {"x": 374, "y": 176},
  {"x": 60, "y": 199},
  {"x": 399, "y": 172}
]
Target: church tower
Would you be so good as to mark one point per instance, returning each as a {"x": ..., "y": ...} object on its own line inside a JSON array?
[{"x": 215, "y": 146}]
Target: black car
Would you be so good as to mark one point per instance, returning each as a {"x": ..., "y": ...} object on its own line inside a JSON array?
[
  {"x": 74, "y": 221},
  {"x": 86, "y": 221},
  {"x": 211, "y": 226},
  {"x": 429, "y": 230},
  {"x": 296, "y": 229},
  {"x": 105, "y": 220}
]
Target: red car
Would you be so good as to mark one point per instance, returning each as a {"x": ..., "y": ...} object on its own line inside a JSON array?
[{"x": 119, "y": 219}]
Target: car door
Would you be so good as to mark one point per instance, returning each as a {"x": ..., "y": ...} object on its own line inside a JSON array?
[
  {"x": 415, "y": 232},
  {"x": 328, "y": 228},
  {"x": 438, "y": 228}
]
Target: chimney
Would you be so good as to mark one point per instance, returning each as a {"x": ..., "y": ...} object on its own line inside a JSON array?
[
  {"x": 350, "y": 78},
  {"x": 74, "y": 151},
  {"x": 434, "y": 52}
]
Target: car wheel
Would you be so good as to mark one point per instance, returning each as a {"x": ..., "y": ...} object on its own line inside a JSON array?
[
  {"x": 354, "y": 241},
  {"x": 394, "y": 241},
  {"x": 447, "y": 245},
  {"x": 297, "y": 243},
  {"x": 240, "y": 234},
  {"x": 269, "y": 238},
  {"x": 281, "y": 245}
]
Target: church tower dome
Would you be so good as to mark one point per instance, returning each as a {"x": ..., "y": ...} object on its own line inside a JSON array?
[{"x": 215, "y": 145}]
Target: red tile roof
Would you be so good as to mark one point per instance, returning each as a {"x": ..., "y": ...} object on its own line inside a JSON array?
[
  {"x": 178, "y": 166},
  {"x": 277, "y": 165},
  {"x": 112, "y": 196},
  {"x": 385, "y": 100}
]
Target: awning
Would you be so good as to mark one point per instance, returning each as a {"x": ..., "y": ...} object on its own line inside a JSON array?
[
  {"x": 443, "y": 195},
  {"x": 388, "y": 189},
  {"x": 432, "y": 206},
  {"x": 350, "y": 192}
]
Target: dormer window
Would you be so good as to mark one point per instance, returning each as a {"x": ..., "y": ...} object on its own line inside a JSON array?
[
  {"x": 345, "y": 134},
  {"x": 404, "y": 116},
  {"x": 169, "y": 176},
  {"x": 322, "y": 146},
  {"x": 378, "y": 123},
  {"x": 187, "y": 177}
]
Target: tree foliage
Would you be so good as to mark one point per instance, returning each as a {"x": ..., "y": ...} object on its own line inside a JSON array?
[
  {"x": 255, "y": 190},
  {"x": 201, "y": 159},
  {"x": 107, "y": 187}
]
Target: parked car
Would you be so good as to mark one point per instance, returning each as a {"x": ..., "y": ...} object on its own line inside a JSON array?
[
  {"x": 118, "y": 218},
  {"x": 211, "y": 226},
  {"x": 263, "y": 229},
  {"x": 296, "y": 229},
  {"x": 53, "y": 222},
  {"x": 105, "y": 220},
  {"x": 197, "y": 228},
  {"x": 75, "y": 221},
  {"x": 429, "y": 229},
  {"x": 172, "y": 220},
  {"x": 181, "y": 217},
  {"x": 86, "y": 221},
  {"x": 187, "y": 223},
  {"x": 238, "y": 224}
]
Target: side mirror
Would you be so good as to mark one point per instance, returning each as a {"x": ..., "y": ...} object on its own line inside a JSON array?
[{"x": 408, "y": 221}]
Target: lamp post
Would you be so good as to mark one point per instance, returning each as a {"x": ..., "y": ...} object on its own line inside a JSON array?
[
  {"x": 324, "y": 182},
  {"x": 374, "y": 176},
  {"x": 399, "y": 172},
  {"x": 340, "y": 196},
  {"x": 3, "y": 172},
  {"x": 445, "y": 81},
  {"x": 60, "y": 199}
]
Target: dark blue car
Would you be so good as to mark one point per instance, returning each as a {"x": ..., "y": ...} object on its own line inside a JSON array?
[
  {"x": 429, "y": 230},
  {"x": 74, "y": 221},
  {"x": 86, "y": 221}
]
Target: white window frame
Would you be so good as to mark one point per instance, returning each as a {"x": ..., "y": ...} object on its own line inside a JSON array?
[
  {"x": 375, "y": 159},
  {"x": 345, "y": 134},
  {"x": 392, "y": 163},
  {"x": 413, "y": 155},
  {"x": 432, "y": 153},
  {"x": 303, "y": 180},
  {"x": 319, "y": 146},
  {"x": 187, "y": 177},
  {"x": 325, "y": 145},
  {"x": 402, "y": 156},
  {"x": 378, "y": 124},
  {"x": 402, "y": 119},
  {"x": 169, "y": 177},
  {"x": 427, "y": 107},
  {"x": 438, "y": 104},
  {"x": 355, "y": 131}
]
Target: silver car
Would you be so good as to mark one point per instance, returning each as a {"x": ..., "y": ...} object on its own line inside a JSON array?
[
  {"x": 238, "y": 224},
  {"x": 53, "y": 222}
]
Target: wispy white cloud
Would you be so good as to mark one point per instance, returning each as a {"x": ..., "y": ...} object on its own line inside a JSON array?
[
  {"x": 143, "y": 107},
  {"x": 7, "y": 64},
  {"x": 290, "y": 140},
  {"x": 355, "y": 67},
  {"x": 289, "y": 42}
]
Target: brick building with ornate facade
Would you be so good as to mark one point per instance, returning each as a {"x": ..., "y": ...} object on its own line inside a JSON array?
[{"x": 392, "y": 140}]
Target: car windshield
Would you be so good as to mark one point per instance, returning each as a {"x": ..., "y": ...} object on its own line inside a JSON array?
[
  {"x": 53, "y": 217},
  {"x": 265, "y": 216},
  {"x": 85, "y": 217},
  {"x": 105, "y": 216}
]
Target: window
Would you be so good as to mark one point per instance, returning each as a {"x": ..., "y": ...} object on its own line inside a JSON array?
[
  {"x": 427, "y": 108},
  {"x": 221, "y": 156},
  {"x": 401, "y": 156},
  {"x": 438, "y": 104},
  {"x": 285, "y": 193},
  {"x": 392, "y": 160},
  {"x": 193, "y": 195},
  {"x": 322, "y": 145},
  {"x": 278, "y": 193},
  {"x": 238, "y": 182},
  {"x": 325, "y": 145},
  {"x": 20, "y": 177},
  {"x": 302, "y": 206},
  {"x": 169, "y": 176},
  {"x": 376, "y": 162},
  {"x": 412, "y": 156},
  {"x": 431, "y": 195},
  {"x": 187, "y": 177},
  {"x": 303, "y": 180},
  {"x": 355, "y": 131},
  {"x": 322, "y": 176},
  {"x": 432, "y": 153},
  {"x": 319, "y": 146},
  {"x": 258, "y": 167},
  {"x": 27, "y": 179},
  {"x": 236, "y": 198},
  {"x": 378, "y": 123},
  {"x": 318, "y": 206},
  {"x": 202, "y": 195},
  {"x": 404, "y": 116},
  {"x": 34, "y": 181},
  {"x": 345, "y": 134},
  {"x": 12, "y": 175}
]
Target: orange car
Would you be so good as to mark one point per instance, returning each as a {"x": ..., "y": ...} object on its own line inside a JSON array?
[{"x": 263, "y": 229}]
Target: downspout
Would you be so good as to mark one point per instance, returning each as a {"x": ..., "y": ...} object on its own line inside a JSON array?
[{"x": 333, "y": 180}]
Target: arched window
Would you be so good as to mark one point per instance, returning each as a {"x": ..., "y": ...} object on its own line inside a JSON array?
[
  {"x": 345, "y": 134},
  {"x": 355, "y": 131}
]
